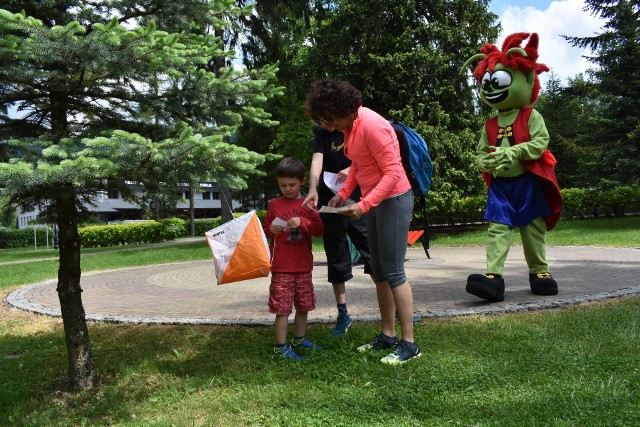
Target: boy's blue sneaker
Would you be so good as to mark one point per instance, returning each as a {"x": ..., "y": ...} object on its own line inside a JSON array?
[
  {"x": 402, "y": 353},
  {"x": 287, "y": 352},
  {"x": 304, "y": 345},
  {"x": 342, "y": 325}
]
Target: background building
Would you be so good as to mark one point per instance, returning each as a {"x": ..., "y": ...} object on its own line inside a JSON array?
[{"x": 109, "y": 206}]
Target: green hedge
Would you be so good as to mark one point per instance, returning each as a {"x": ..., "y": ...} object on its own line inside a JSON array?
[
  {"x": 581, "y": 203},
  {"x": 129, "y": 234},
  {"x": 442, "y": 208},
  {"x": 23, "y": 237},
  {"x": 448, "y": 209},
  {"x": 145, "y": 232},
  {"x": 202, "y": 225}
]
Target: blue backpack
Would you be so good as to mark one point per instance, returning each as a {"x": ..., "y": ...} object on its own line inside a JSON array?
[
  {"x": 419, "y": 168},
  {"x": 415, "y": 157}
]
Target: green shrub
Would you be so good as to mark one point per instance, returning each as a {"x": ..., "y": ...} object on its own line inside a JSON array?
[
  {"x": 470, "y": 210},
  {"x": 129, "y": 234},
  {"x": 446, "y": 209},
  {"x": 204, "y": 225},
  {"x": 619, "y": 200},
  {"x": 581, "y": 203},
  {"x": 576, "y": 203},
  {"x": 440, "y": 208},
  {"x": 262, "y": 214},
  {"x": 174, "y": 227},
  {"x": 23, "y": 237}
]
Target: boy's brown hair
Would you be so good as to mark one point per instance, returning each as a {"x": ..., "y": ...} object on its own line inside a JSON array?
[{"x": 290, "y": 167}]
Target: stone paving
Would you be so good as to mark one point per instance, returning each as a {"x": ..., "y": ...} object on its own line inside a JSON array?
[{"x": 187, "y": 292}]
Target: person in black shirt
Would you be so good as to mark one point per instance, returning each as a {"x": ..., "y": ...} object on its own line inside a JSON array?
[{"x": 328, "y": 156}]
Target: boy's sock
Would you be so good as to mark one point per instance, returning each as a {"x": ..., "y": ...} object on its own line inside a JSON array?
[
  {"x": 296, "y": 341},
  {"x": 342, "y": 309}
]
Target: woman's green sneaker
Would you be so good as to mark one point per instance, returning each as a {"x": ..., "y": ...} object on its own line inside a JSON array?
[
  {"x": 402, "y": 353},
  {"x": 380, "y": 342}
]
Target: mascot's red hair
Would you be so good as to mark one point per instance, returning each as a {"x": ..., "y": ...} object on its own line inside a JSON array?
[{"x": 511, "y": 56}]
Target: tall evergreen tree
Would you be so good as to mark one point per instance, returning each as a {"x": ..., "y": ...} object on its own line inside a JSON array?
[
  {"x": 94, "y": 94},
  {"x": 278, "y": 32},
  {"x": 403, "y": 54},
  {"x": 613, "y": 137},
  {"x": 566, "y": 111}
]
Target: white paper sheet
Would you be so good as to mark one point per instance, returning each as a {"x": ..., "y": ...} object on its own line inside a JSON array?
[
  {"x": 331, "y": 181},
  {"x": 279, "y": 222}
]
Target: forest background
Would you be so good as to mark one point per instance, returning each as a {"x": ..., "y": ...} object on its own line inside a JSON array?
[{"x": 405, "y": 59}]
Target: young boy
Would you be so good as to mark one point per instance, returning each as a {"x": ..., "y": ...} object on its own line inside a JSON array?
[{"x": 291, "y": 258}]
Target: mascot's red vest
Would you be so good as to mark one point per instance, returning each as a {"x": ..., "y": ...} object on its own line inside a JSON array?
[{"x": 542, "y": 167}]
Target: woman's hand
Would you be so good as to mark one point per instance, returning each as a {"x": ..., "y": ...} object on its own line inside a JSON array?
[
  {"x": 342, "y": 176},
  {"x": 352, "y": 211},
  {"x": 335, "y": 202}
]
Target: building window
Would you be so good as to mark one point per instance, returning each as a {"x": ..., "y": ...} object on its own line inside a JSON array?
[
  {"x": 216, "y": 196},
  {"x": 113, "y": 193},
  {"x": 206, "y": 195}
]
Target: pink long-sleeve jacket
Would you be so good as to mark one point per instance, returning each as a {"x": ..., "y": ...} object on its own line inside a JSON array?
[{"x": 372, "y": 146}]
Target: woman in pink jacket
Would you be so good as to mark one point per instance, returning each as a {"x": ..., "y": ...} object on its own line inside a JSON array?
[{"x": 372, "y": 146}]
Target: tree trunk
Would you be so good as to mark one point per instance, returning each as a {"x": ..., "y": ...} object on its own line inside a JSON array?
[
  {"x": 82, "y": 369},
  {"x": 226, "y": 204},
  {"x": 192, "y": 212}
]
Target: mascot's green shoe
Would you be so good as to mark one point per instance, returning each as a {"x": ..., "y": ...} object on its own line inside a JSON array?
[
  {"x": 543, "y": 284},
  {"x": 486, "y": 286}
]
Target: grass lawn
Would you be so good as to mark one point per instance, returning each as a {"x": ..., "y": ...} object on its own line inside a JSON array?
[{"x": 578, "y": 366}]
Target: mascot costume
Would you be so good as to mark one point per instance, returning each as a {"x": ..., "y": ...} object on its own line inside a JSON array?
[{"x": 516, "y": 165}]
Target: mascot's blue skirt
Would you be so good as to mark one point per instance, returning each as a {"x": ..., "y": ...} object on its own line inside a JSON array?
[{"x": 516, "y": 201}]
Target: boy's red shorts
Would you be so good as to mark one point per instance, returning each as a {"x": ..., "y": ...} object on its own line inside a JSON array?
[{"x": 288, "y": 289}]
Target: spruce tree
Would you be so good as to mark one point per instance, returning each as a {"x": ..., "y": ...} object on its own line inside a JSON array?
[
  {"x": 613, "y": 136},
  {"x": 94, "y": 94}
]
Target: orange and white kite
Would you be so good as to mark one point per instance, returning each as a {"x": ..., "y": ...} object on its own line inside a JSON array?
[{"x": 240, "y": 249}]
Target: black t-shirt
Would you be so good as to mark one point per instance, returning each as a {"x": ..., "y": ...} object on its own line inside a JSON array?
[{"x": 331, "y": 145}]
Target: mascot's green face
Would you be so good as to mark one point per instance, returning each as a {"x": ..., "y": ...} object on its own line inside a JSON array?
[{"x": 505, "y": 88}]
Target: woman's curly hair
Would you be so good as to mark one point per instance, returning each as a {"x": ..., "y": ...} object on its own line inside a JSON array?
[{"x": 332, "y": 99}]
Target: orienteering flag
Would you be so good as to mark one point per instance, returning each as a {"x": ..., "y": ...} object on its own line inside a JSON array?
[{"x": 240, "y": 249}]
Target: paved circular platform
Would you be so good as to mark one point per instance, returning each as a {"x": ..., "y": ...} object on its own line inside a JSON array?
[{"x": 187, "y": 292}]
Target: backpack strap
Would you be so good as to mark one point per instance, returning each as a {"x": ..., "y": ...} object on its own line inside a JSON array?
[{"x": 422, "y": 204}]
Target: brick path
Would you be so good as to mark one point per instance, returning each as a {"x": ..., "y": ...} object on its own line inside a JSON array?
[{"x": 187, "y": 292}]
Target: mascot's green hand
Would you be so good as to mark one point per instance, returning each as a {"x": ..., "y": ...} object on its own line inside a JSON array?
[
  {"x": 505, "y": 156},
  {"x": 486, "y": 163}
]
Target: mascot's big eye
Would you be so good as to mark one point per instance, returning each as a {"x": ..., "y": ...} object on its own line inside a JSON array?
[
  {"x": 500, "y": 79},
  {"x": 486, "y": 81}
]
